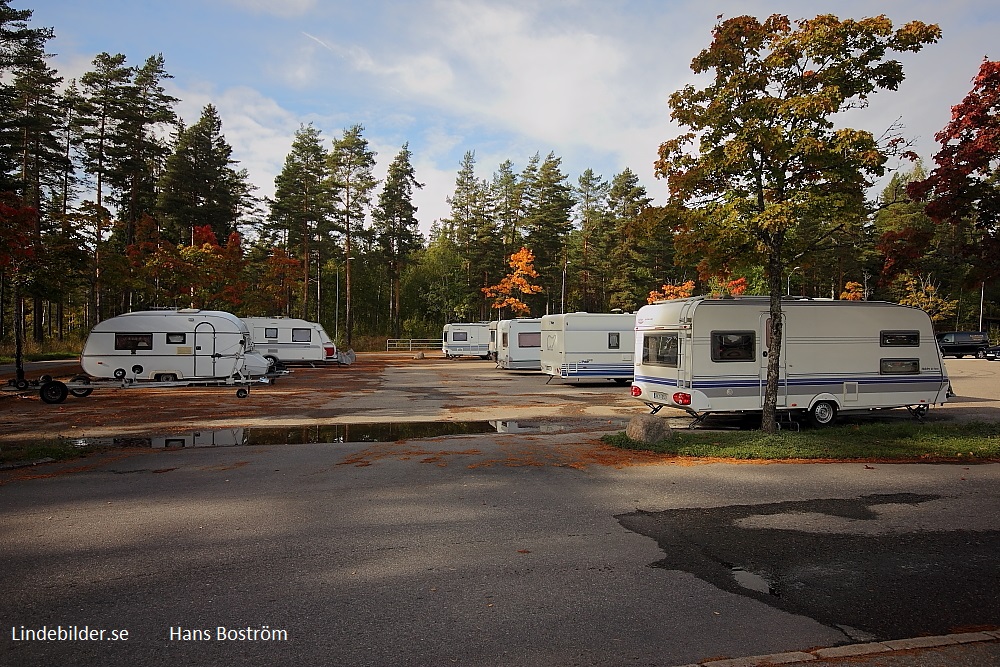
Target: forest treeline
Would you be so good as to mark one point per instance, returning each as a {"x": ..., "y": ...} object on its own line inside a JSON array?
[{"x": 112, "y": 203}]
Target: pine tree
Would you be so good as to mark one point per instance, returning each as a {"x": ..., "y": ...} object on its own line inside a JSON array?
[
  {"x": 351, "y": 164},
  {"x": 302, "y": 208},
  {"x": 396, "y": 228},
  {"x": 200, "y": 185},
  {"x": 547, "y": 221}
]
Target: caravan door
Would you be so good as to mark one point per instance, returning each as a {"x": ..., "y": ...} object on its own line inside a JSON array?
[
  {"x": 765, "y": 336},
  {"x": 204, "y": 350}
]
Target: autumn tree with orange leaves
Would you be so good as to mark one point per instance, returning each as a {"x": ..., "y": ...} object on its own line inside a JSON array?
[
  {"x": 761, "y": 171},
  {"x": 517, "y": 282},
  {"x": 670, "y": 292}
]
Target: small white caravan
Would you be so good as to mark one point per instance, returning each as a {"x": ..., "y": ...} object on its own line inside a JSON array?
[
  {"x": 469, "y": 339},
  {"x": 171, "y": 346},
  {"x": 519, "y": 344},
  {"x": 588, "y": 346},
  {"x": 709, "y": 355},
  {"x": 288, "y": 340}
]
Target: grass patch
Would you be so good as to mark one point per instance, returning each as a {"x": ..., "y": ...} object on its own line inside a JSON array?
[
  {"x": 42, "y": 356},
  {"x": 60, "y": 449},
  {"x": 903, "y": 441}
]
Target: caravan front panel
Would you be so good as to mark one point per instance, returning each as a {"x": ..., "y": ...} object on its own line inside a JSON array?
[{"x": 588, "y": 345}]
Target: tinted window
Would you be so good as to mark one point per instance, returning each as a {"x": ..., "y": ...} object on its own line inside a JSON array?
[
  {"x": 460, "y": 336},
  {"x": 660, "y": 349},
  {"x": 133, "y": 341},
  {"x": 900, "y": 339},
  {"x": 733, "y": 346},
  {"x": 176, "y": 338},
  {"x": 271, "y": 332},
  {"x": 529, "y": 339},
  {"x": 899, "y": 366},
  {"x": 301, "y": 335},
  {"x": 614, "y": 340}
]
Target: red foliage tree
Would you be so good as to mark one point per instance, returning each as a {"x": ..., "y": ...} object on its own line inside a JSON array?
[{"x": 965, "y": 184}]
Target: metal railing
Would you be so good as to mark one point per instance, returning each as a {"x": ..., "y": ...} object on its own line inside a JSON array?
[{"x": 409, "y": 344}]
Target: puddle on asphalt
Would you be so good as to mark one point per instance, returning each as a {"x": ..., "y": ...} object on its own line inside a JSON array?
[
  {"x": 333, "y": 433},
  {"x": 753, "y": 582}
]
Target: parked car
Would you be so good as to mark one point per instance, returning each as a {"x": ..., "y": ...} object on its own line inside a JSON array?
[
  {"x": 992, "y": 353},
  {"x": 960, "y": 343}
]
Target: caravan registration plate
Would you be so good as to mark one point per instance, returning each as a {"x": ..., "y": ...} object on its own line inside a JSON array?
[{"x": 660, "y": 395}]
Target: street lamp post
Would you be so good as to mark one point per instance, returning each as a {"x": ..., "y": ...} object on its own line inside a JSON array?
[{"x": 788, "y": 280}]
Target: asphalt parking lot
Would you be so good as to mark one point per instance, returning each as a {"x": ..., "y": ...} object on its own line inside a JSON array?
[{"x": 530, "y": 544}]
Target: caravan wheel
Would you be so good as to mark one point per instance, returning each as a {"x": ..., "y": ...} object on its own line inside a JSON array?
[
  {"x": 823, "y": 413},
  {"x": 53, "y": 392}
]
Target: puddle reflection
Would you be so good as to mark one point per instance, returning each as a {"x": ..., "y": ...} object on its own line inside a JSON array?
[{"x": 320, "y": 433}]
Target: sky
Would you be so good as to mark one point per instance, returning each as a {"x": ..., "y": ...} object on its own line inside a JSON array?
[{"x": 587, "y": 80}]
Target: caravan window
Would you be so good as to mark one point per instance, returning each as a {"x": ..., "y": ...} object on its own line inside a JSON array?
[
  {"x": 133, "y": 341},
  {"x": 614, "y": 340},
  {"x": 660, "y": 349},
  {"x": 529, "y": 339},
  {"x": 899, "y": 366},
  {"x": 504, "y": 341},
  {"x": 460, "y": 336},
  {"x": 301, "y": 335},
  {"x": 271, "y": 332},
  {"x": 176, "y": 338},
  {"x": 733, "y": 346},
  {"x": 899, "y": 339}
]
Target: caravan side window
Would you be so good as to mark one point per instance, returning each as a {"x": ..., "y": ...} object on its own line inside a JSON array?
[
  {"x": 899, "y": 339},
  {"x": 899, "y": 366},
  {"x": 733, "y": 346},
  {"x": 660, "y": 349},
  {"x": 133, "y": 341},
  {"x": 176, "y": 338},
  {"x": 614, "y": 340},
  {"x": 270, "y": 332},
  {"x": 301, "y": 335},
  {"x": 460, "y": 336},
  {"x": 529, "y": 339},
  {"x": 504, "y": 340}
]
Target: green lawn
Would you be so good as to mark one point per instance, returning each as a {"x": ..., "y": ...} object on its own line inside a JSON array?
[{"x": 903, "y": 441}]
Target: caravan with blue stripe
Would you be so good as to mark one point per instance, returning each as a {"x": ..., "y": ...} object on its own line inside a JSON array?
[{"x": 709, "y": 355}]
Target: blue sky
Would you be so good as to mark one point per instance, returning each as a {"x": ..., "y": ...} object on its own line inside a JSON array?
[{"x": 585, "y": 79}]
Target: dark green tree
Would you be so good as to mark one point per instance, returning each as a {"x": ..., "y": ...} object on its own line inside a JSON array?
[
  {"x": 200, "y": 184},
  {"x": 397, "y": 231},
  {"x": 547, "y": 223},
  {"x": 303, "y": 205},
  {"x": 351, "y": 164}
]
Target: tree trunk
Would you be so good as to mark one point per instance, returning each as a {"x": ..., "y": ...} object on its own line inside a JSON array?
[{"x": 769, "y": 422}]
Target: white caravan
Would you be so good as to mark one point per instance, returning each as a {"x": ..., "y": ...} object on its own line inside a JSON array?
[
  {"x": 172, "y": 345},
  {"x": 709, "y": 355},
  {"x": 494, "y": 325},
  {"x": 288, "y": 340},
  {"x": 519, "y": 344},
  {"x": 470, "y": 339},
  {"x": 588, "y": 346}
]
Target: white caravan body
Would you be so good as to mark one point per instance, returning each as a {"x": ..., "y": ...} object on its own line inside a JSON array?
[
  {"x": 169, "y": 345},
  {"x": 588, "y": 345},
  {"x": 471, "y": 339},
  {"x": 290, "y": 340},
  {"x": 494, "y": 325},
  {"x": 519, "y": 344},
  {"x": 709, "y": 355}
]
